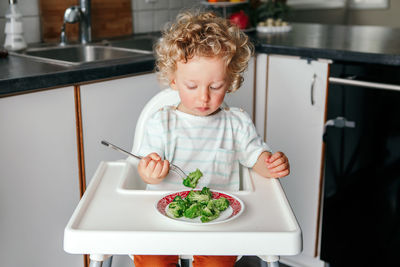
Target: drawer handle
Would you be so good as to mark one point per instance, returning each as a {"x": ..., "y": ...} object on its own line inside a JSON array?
[{"x": 314, "y": 78}]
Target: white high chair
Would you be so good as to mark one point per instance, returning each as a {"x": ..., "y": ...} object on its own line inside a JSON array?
[
  {"x": 166, "y": 97},
  {"x": 102, "y": 224}
]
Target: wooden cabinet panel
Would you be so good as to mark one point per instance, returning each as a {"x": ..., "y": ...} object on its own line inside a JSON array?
[{"x": 110, "y": 18}]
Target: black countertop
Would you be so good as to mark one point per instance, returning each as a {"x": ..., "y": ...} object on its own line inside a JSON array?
[
  {"x": 364, "y": 44},
  {"x": 21, "y": 75}
]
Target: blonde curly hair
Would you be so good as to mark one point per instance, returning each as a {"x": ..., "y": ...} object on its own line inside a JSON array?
[{"x": 203, "y": 34}]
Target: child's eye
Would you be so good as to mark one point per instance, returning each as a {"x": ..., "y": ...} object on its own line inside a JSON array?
[
  {"x": 191, "y": 87},
  {"x": 215, "y": 87}
]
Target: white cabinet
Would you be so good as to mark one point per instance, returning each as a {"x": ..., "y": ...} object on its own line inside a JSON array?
[
  {"x": 295, "y": 116},
  {"x": 39, "y": 183},
  {"x": 110, "y": 110}
]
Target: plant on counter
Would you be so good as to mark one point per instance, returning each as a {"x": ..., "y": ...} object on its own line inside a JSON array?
[{"x": 269, "y": 13}]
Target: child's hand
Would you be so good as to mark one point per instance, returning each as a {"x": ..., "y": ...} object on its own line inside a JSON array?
[
  {"x": 272, "y": 165},
  {"x": 278, "y": 165},
  {"x": 152, "y": 169}
]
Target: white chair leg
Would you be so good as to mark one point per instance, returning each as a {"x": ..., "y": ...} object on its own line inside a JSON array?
[
  {"x": 273, "y": 264},
  {"x": 272, "y": 261},
  {"x": 94, "y": 263},
  {"x": 186, "y": 260},
  {"x": 96, "y": 260}
]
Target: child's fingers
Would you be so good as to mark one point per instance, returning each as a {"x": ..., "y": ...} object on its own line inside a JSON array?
[
  {"x": 165, "y": 168},
  {"x": 158, "y": 166},
  {"x": 144, "y": 162},
  {"x": 275, "y": 156},
  {"x": 151, "y": 166},
  {"x": 282, "y": 174},
  {"x": 154, "y": 156},
  {"x": 277, "y": 162},
  {"x": 279, "y": 168}
]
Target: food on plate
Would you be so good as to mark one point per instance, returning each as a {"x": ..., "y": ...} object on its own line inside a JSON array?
[
  {"x": 193, "y": 179},
  {"x": 198, "y": 203},
  {"x": 202, "y": 196}
]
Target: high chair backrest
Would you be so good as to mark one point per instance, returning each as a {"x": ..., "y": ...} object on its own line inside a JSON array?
[{"x": 164, "y": 98}]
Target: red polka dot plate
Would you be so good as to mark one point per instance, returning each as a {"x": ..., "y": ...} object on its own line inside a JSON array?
[{"x": 235, "y": 209}]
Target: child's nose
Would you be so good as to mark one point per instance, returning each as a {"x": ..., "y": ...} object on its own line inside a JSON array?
[{"x": 204, "y": 94}]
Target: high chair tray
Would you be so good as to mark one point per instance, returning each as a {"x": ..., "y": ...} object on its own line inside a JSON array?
[{"x": 116, "y": 216}]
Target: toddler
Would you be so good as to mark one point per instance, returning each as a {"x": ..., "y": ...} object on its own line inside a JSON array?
[{"x": 203, "y": 56}]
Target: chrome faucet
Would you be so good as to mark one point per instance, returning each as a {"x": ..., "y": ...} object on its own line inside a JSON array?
[{"x": 79, "y": 14}]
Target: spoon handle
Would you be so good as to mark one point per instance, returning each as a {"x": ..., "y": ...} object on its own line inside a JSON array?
[
  {"x": 173, "y": 167},
  {"x": 119, "y": 149}
]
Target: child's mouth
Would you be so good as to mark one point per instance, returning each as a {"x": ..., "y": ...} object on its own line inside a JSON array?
[{"x": 202, "y": 109}]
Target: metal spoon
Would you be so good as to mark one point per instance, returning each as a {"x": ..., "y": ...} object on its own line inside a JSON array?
[{"x": 172, "y": 167}]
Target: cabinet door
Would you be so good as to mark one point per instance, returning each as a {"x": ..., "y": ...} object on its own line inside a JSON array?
[
  {"x": 296, "y": 96},
  {"x": 39, "y": 182},
  {"x": 110, "y": 110}
]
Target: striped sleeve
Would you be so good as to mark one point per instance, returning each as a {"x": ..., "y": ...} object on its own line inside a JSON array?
[
  {"x": 153, "y": 138},
  {"x": 251, "y": 144}
]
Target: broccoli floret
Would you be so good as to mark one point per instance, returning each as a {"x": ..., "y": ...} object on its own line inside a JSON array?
[
  {"x": 198, "y": 203},
  {"x": 208, "y": 209},
  {"x": 197, "y": 196},
  {"x": 209, "y": 212},
  {"x": 182, "y": 201},
  {"x": 193, "y": 211},
  {"x": 209, "y": 218},
  {"x": 206, "y": 191},
  {"x": 193, "y": 178},
  {"x": 221, "y": 203},
  {"x": 176, "y": 209},
  {"x": 176, "y": 198}
]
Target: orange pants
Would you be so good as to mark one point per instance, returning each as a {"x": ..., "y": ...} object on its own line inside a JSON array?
[{"x": 172, "y": 260}]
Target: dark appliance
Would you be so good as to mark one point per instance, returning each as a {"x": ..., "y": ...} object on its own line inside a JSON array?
[{"x": 361, "y": 209}]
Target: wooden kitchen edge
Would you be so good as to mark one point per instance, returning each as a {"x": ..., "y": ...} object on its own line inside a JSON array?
[{"x": 321, "y": 178}]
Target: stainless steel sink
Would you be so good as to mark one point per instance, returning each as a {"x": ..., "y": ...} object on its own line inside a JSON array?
[
  {"x": 140, "y": 43},
  {"x": 81, "y": 54}
]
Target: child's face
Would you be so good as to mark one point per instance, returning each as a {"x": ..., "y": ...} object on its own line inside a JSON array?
[{"x": 202, "y": 83}]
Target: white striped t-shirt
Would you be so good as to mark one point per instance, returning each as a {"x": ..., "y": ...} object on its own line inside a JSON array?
[{"x": 215, "y": 144}]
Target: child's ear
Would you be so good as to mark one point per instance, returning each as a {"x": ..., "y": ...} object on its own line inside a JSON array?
[{"x": 172, "y": 84}]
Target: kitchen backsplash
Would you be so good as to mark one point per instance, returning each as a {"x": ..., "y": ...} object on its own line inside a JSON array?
[{"x": 148, "y": 15}]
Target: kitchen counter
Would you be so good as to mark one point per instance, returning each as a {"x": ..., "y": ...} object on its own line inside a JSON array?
[
  {"x": 364, "y": 44},
  {"x": 20, "y": 74}
]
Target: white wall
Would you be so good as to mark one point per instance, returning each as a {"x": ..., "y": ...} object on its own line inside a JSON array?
[
  {"x": 148, "y": 15},
  {"x": 153, "y": 15}
]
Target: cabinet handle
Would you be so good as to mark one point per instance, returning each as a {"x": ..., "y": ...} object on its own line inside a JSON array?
[
  {"x": 343, "y": 81},
  {"x": 314, "y": 78}
]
